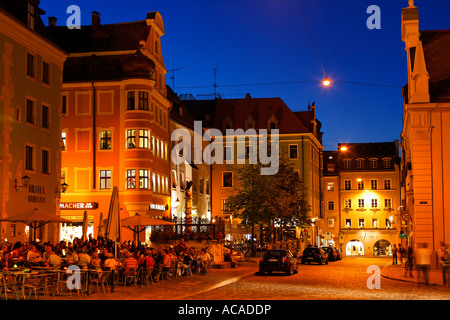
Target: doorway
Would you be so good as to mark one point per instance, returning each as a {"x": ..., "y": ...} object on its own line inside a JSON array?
[
  {"x": 382, "y": 248},
  {"x": 354, "y": 248}
]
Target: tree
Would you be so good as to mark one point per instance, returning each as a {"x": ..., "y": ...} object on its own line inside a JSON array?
[{"x": 262, "y": 199}]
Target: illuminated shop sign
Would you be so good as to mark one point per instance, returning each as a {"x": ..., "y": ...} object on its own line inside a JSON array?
[
  {"x": 154, "y": 206},
  {"x": 78, "y": 205}
]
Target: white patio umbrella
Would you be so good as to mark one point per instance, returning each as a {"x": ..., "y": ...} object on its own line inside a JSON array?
[{"x": 101, "y": 231}]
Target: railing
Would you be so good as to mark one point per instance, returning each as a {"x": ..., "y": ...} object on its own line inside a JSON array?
[{"x": 200, "y": 230}]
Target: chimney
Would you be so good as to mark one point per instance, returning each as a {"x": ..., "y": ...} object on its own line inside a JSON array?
[
  {"x": 248, "y": 96},
  {"x": 52, "y": 21},
  {"x": 95, "y": 20}
]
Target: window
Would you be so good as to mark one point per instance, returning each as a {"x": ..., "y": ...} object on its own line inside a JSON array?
[
  {"x": 388, "y": 203},
  {"x": 387, "y": 184},
  {"x": 293, "y": 151},
  {"x": 360, "y": 163},
  {"x": 64, "y": 138},
  {"x": 31, "y": 19},
  {"x": 30, "y": 111},
  {"x": 45, "y": 162},
  {"x": 153, "y": 182},
  {"x": 388, "y": 223},
  {"x": 143, "y": 179},
  {"x": 130, "y": 100},
  {"x": 29, "y": 155},
  {"x": 105, "y": 140},
  {"x": 143, "y": 100},
  {"x": 348, "y": 223},
  {"x": 227, "y": 153},
  {"x": 201, "y": 185},
  {"x": 347, "y": 164},
  {"x": 330, "y": 205},
  {"x": 361, "y": 223},
  {"x": 105, "y": 179},
  {"x": 374, "y": 203},
  {"x": 207, "y": 186},
  {"x": 31, "y": 65},
  {"x": 360, "y": 184},
  {"x": 131, "y": 139},
  {"x": 224, "y": 204},
  {"x": 347, "y": 184},
  {"x": 360, "y": 203},
  {"x": 45, "y": 73},
  {"x": 144, "y": 139},
  {"x": 330, "y": 167},
  {"x": 374, "y": 223},
  {"x": 131, "y": 179},
  {"x": 45, "y": 116},
  {"x": 373, "y": 163},
  {"x": 374, "y": 184},
  {"x": 64, "y": 105},
  {"x": 227, "y": 179},
  {"x": 330, "y": 186},
  {"x": 347, "y": 203},
  {"x": 387, "y": 163}
]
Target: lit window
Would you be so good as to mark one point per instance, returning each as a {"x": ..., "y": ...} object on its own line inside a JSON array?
[
  {"x": 388, "y": 203},
  {"x": 143, "y": 179},
  {"x": 105, "y": 140},
  {"x": 105, "y": 179},
  {"x": 348, "y": 203},
  {"x": 64, "y": 138},
  {"x": 144, "y": 139},
  {"x": 131, "y": 179},
  {"x": 362, "y": 223},
  {"x": 131, "y": 139},
  {"x": 330, "y": 186}
]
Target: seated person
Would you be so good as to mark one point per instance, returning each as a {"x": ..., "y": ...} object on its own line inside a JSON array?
[
  {"x": 71, "y": 257},
  {"x": 54, "y": 260},
  {"x": 34, "y": 257}
]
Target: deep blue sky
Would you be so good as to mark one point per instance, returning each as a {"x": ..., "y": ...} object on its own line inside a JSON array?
[{"x": 266, "y": 41}]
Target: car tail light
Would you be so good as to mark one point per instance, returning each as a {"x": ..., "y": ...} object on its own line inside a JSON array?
[
  {"x": 284, "y": 259},
  {"x": 262, "y": 259}
]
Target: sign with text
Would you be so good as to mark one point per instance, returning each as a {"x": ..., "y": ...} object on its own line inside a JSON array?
[{"x": 78, "y": 205}]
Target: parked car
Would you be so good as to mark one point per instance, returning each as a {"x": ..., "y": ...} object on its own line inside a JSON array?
[
  {"x": 338, "y": 253},
  {"x": 314, "y": 254},
  {"x": 332, "y": 254},
  {"x": 278, "y": 260}
]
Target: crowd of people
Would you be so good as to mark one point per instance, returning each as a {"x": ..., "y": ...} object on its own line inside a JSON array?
[{"x": 102, "y": 254}]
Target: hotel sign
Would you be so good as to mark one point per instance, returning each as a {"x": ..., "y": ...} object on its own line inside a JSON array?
[{"x": 78, "y": 205}]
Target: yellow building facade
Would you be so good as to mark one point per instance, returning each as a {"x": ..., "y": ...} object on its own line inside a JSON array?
[
  {"x": 362, "y": 199},
  {"x": 426, "y": 132},
  {"x": 31, "y": 69}
]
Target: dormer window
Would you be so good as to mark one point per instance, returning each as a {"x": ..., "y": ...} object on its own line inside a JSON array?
[
  {"x": 31, "y": 19},
  {"x": 272, "y": 123}
]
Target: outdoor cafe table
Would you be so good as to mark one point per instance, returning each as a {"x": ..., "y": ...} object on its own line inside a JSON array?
[{"x": 24, "y": 275}]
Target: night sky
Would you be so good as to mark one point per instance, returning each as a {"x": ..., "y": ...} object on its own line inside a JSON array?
[{"x": 267, "y": 41}]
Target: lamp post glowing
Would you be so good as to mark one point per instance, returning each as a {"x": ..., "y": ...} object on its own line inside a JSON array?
[{"x": 326, "y": 82}]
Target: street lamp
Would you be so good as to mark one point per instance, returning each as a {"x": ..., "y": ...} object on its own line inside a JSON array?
[
  {"x": 25, "y": 182},
  {"x": 326, "y": 82}
]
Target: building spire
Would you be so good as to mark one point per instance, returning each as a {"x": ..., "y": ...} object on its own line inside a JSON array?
[{"x": 411, "y": 3}]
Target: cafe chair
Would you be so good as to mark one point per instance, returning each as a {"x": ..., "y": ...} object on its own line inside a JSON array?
[
  {"x": 51, "y": 282},
  {"x": 36, "y": 284},
  {"x": 158, "y": 273},
  {"x": 130, "y": 274},
  {"x": 102, "y": 280},
  {"x": 148, "y": 275},
  {"x": 9, "y": 284}
]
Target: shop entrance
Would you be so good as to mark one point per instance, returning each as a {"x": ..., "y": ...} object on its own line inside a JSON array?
[
  {"x": 382, "y": 248},
  {"x": 354, "y": 248}
]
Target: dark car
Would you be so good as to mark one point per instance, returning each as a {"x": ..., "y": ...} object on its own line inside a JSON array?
[
  {"x": 332, "y": 254},
  {"x": 338, "y": 253},
  {"x": 314, "y": 254},
  {"x": 278, "y": 260}
]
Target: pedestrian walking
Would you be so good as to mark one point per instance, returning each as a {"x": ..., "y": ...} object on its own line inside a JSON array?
[
  {"x": 394, "y": 255},
  {"x": 423, "y": 262},
  {"x": 401, "y": 251},
  {"x": 445, "y": 264}
]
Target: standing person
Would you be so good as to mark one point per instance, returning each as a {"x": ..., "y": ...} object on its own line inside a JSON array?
[
  {"x": 401, "y": 251},
  {"x": 394, "y": 254},
  {"x": 423, "y": 262},
  {"x": 445, "y": 263}
]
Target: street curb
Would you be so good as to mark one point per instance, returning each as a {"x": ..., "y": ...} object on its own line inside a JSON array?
[{"x": 405, "y": 280}]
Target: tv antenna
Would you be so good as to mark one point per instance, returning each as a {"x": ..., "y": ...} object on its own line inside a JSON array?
[
  {"x": 173, "y": 76},
  {"x": 215, "y": 83}
]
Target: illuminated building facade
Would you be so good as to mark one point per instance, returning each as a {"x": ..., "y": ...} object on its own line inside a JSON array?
[
  {"x": 30, "y": 85},
  {"x": 115, "y": 120},
  {"x": 184, "y": 172},
  {"x": 362, "y": 198},
  {"x": 426, "y": 132},
  {"x": 300, "y": 140}
]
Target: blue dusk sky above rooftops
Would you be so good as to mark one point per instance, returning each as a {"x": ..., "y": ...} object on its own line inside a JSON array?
[{"x": 263, "y": 47}]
